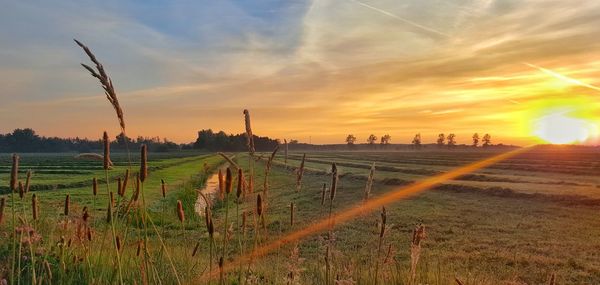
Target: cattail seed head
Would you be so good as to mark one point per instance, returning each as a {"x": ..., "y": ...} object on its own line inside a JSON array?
[
  {"x": 259, "y": 205},
  {"x": 163, "y": 188},
  {"x": 86, "y": 215},
  {"x": 21, "y": 190},
  {"x": 228, "y": 181},
  {"x": 143, "y": 163},
  {"x": 34, "y": 207},
  {"x": 209, "y": 223},
  {"x": 27, "y": 181},
  {"x": 334, "y": 181},
  {"x": 119, "y": 185},
  {"x": 125, "y": 181},
  {"x": 240, "y": 185},
  {"x": 89, "y": 234},
  {"x": 221, "y": 185},
  {"x": 180, "y": 213},
  {"x": 292, "y": 214},
  {"x": 249, "y": 135},
  {"x": 95, "y": 186},
  {"x": 383, "y": 220},
  {"x": 118, "y": 243},
  {"x": 2, "y": 206},
  {"x": 67, "y": 204},
  {"x": 14, "y": 172},
  {"x": 106, "y": 143},
  {"x": 195, "y": 249}
]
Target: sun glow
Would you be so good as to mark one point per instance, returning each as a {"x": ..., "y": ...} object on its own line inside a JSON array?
[{"x": 560, "y": 128}]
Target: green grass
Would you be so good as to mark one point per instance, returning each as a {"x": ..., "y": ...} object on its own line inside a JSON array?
[{"x": 479, "y": 236}]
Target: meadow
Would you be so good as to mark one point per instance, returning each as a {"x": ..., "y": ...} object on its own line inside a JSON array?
[{"x": 529, "y": 219}]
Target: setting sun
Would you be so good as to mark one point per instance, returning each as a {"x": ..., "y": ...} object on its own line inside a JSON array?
[{"x": 560, "y": 128}]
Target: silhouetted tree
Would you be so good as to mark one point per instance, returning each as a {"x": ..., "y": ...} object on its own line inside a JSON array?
[
  {"x": 350, "y": 139},
  {"x": 372, "y": 139},
  {"x": 441, "y": 140},
  {"x": 451, "y": 140},
  {"x": 385, "y": 139},
  {"x": 475, "y": 139},
  {"x": 487, "y": 140},
  {"x": 417, "y": 141}
]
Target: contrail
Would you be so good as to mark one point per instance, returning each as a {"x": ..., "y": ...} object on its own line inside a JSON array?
[
  {"x": 363, "y": 208},
  {"x": 416, "y": 25},
  {"x": 563, "y": 77}
]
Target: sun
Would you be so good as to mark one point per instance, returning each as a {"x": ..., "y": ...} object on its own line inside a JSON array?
[{"x": 559, "y": 127}]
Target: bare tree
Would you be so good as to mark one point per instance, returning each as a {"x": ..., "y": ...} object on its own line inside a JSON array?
[
  {"x": 487, "y": 140},
  {"x": 372, "y": 139},
  {"x": 451, "y": 140},
  {"x": 441, "y": 140},
  {"x": 350, "y": 139},
  {"x": 385, "y": 139},
  {"x": 417, "y": 141},
  {"x": 475, "y": 139}
]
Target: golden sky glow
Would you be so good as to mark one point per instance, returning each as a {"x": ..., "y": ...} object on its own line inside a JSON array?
[{"x": 318, "y": 70}]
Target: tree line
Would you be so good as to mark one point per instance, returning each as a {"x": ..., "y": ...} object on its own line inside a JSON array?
[
  {"x": 221, "y": 141},
  {"x": 442, "y": 140}
]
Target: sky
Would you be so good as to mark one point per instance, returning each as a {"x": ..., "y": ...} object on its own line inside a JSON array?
[{"x": 307, "y": 70}]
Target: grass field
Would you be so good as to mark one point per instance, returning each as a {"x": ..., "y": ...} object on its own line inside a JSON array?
[{"x": 518, "y": 221}]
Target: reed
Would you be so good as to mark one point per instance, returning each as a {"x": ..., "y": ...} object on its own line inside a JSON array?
[
  {"x": 228, "y": 189},
  {"x": 221, "y": 185},
  {"x": 369, "y": 185},
  {"x": 106, "y": 145},
  {"x": 249, "y": 135},
  {"x": 21, "y": 190},
  {"x": 300, "y": 173},
  {"x": 105, "y": 82},
  {"x": 27, "y": 181},
  {"x": 67, "y": 205},
  {"x": 143, "y": 163},
  {"x": 34, "y": 207}
]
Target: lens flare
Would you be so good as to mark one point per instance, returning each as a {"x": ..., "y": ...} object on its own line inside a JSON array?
[{"x": 560, "y": 128}]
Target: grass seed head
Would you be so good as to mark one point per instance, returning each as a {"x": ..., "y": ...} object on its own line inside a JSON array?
[
  {"x": 163, "y": 188},
  {"x": 95, "y": 186},
  {"x": 334, "y": 181},
  {"x": 106, "y": 144},
  {"x": 143, "y": 163},
  {"x": 180, "y": 213},
  {"x": 259, "y": 205},
  {"x": 14, "y": 173},
  {"x": 240, "y": 184},
  {"x": 67, "y": 204},
  {"x": 21, "y": 190},
  {"x": 228, "y": 181},
  {"x": 27, "y": 181}
]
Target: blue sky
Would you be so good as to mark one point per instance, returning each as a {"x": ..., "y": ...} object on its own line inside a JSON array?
[{"x": 319, "y": 69}]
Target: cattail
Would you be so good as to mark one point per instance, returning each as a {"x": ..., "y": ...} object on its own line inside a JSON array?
[
  {"x": 125, "y": 181},
  {"x": 195, "y": 249},
  {"x": 143, "y": 163},
  {"x": 163, "y": 188},
  {"x": 221, "y": 271},
  {"x": 67, "y": 204},
  {"x": 180, "y": 213},
  {"x": 259, "y": 205},
  {"x": 300, "y": 173},
  {"x": 106, "y": 143},
  {"x": 89, "y": 234},
  {"x": 34, "y": 206},
  {"x": 14, "y": 173},
  {"x": 334, "y": 180},
  {"x": 221, "y": 185},
  {"x": 323, "y": 194},
  {"x": 369, "y": 182},
  {"x": 118, "y": 242},
  {"x": 383, "y": 219},
  {"x": 240, "y": 185},
  {"x": 209, "y": 223},
  {"x": 21, "y": 190},
  {"x": 136, "y": 195},
  {"x": 119, "y": 186},
  {"x": 95, "y": 186},
  {"x": 249, "y": 135},
  {"x": 2, "y": 206},
  {"x": 27, "y": 181},
  {"x": 228, "y": 181},
  {"x": 86, "y": 215},
  {"x": 139, "y": 248},
  {"x": 292, "y": 214},
  {"x": 251, "y": 184}
]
